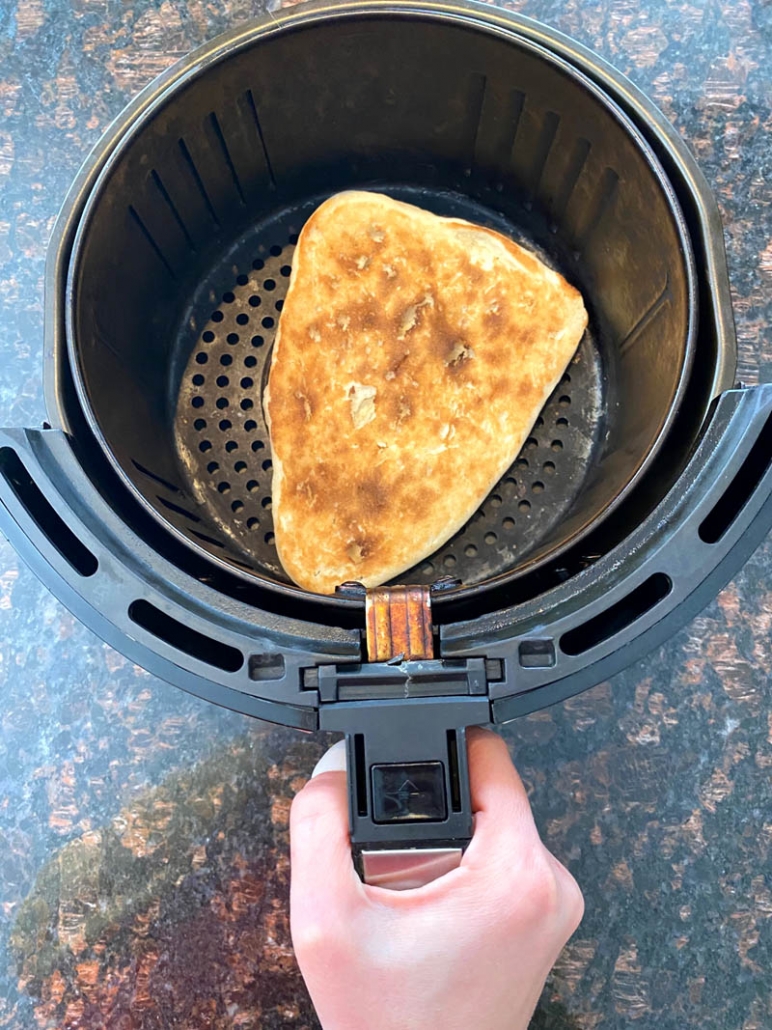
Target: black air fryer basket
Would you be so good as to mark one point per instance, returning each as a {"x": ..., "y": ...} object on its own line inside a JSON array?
[{"x": 146, "y": 505}]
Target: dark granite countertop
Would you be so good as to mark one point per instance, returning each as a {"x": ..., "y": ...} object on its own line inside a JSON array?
[{"x": 143, "y": 833}]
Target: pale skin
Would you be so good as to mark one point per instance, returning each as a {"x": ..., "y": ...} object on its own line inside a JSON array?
[{"x": 471, "y": 949}]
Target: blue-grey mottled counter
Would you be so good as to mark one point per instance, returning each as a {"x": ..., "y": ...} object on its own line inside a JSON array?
[{"x": 143, "y": 833}]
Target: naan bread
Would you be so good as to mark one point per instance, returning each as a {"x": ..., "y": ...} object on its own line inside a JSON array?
[{"x": 413, "y": 356}]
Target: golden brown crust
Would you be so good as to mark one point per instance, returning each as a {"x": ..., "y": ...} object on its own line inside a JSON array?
[{"x": 414, "y": 354}]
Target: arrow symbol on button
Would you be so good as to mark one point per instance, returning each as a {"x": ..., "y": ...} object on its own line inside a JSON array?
[{"x": 408, "y": 787}]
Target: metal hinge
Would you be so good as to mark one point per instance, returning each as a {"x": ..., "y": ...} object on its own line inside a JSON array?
[
  {"x": 399, "y": 624},
  {"x": 400, "y": 653},
  {"x": 398, "y": 619}
]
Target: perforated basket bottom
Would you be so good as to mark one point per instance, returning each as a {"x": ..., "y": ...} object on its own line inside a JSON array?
[{"x": 223, "y": 442}]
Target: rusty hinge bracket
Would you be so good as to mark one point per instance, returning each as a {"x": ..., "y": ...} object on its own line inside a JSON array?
[
  {"x": 398, "y": 619},
  {"x": 401, "y": 662},
  {"x": 399, "y": 624}
]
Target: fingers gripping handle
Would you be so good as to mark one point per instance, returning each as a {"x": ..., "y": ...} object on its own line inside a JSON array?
[
  {"x": 391, "y": 868},
  {"x": 410, "y": 808}
]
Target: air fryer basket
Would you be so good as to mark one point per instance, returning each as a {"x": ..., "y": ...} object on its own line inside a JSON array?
[
  {"x": 145, "y": 503},
  {"x": 183, "y": 254}
]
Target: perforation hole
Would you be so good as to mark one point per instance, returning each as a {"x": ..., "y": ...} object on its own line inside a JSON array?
[
  {"x": 267, "y": 502},
  {"x": 549, "y": 467},
  {"x": 225, "y": 424},
  {"x": 257, "y": 445},
  {"x": 253, "y": 485},
  {"x": 561, "y": 421},
  {"x": 208, "y": 336},
  {"x": 232, "y": 339},
  {"x": 258, "y": 263},
  {"x": 242, "y": 319},
  {"x": 268, "y": 322},
  {"x": 240, "y": 466},
  {"x": 267, "y": 464},
  {"x": 237, "y": 506},
  {"x": 247, "y": 383},
  {"x": 253, "y": 523},
  {"x": 198, "y": 380},
  {"x": 269, "y": 538},
  {"x": 225, "y": 360},
  {"x": 524, "y": 506},
  {"x": 531, "y": 443},
  {"x": 269, "y": 284},
  {"x": 276, "y": 250},
  {"x": 255, "y": 301},
  {"x": 242, "y": 279},
  {"x": 250, "y": 360},
  {"x": 250, "y": 426},
  {"x": 201, "y": 358},
  {"x": 565, "y": 401},
  {"x": 199, "y": 424},
  {"x": 204, "y": 446},
  {"x": 257, "y": 341},
  {"x": 449, "y": 561},
  {"x": 228, "y": 298},
  {"x": 222, "y": 381},
  {"x": 231, "y": 446},
  {"x": 495, "y": 501},
  {"x": 557, "y": 445},
  {"x": 538, "y": 487},
  {"x": 470, "y": 550},
  {"x": 221, "y": 403},
  {"x": 286, "y": 271},
  {"x": 223, "y": 487},
  {"x": 508, "y": 523},
  {"x": 197, "y": 402},
  {"x": 213, "y": 466},
  {"x": 490, "y": 538}
]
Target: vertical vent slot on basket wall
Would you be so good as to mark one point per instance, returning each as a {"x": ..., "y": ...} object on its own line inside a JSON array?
[
  {"x": 740, "y": 490},
  {"x": 183, "y": 638},
  {"x": 618, "y": 617},
  {"x": 43, "y": 514}
]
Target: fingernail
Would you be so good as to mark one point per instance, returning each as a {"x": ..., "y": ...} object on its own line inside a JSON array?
[{"x": 333, "y": 760}]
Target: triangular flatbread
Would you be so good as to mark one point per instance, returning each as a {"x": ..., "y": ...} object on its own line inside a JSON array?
[{"x": 413, "y": 355}]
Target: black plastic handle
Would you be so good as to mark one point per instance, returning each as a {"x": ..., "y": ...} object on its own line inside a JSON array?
[
  {"x": 643, "y": 591},
  {"x": 409, "y": 800}
]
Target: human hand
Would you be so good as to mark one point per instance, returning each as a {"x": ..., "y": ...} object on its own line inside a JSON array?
[{"x": 471, "y": 949}]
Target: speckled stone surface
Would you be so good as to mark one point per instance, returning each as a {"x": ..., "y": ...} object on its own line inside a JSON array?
[{"x": 143, "y": 840}]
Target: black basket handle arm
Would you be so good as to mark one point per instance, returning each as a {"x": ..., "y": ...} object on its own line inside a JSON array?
[{"x": 638, "y": 595}]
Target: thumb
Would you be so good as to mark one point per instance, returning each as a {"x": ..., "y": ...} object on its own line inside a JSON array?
[{"x": 323, "y": 873}]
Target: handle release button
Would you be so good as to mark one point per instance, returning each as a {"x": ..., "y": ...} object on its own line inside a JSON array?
[{"x": 409, "y": 792}]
